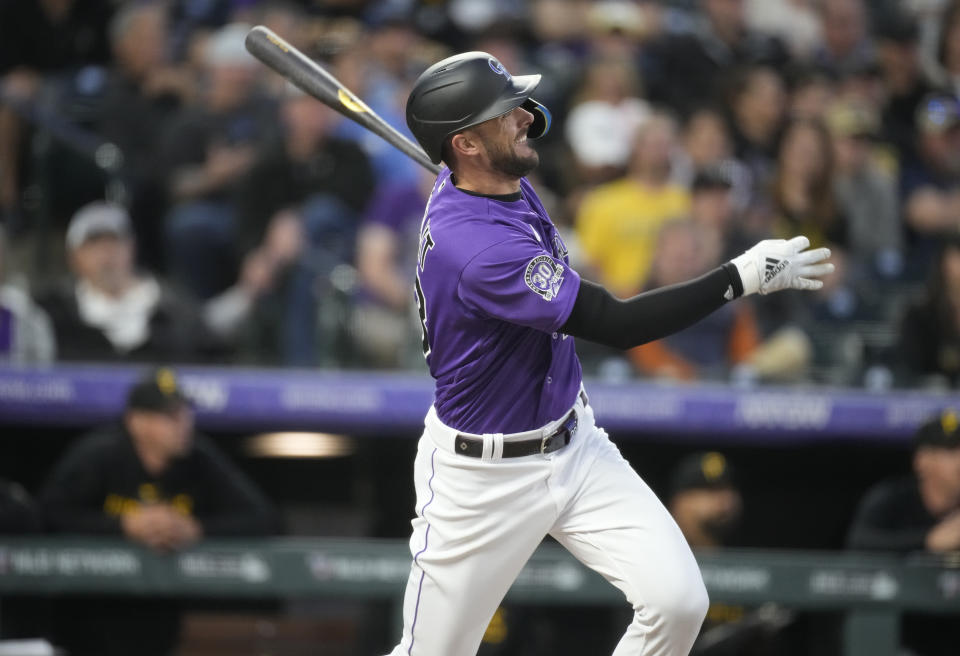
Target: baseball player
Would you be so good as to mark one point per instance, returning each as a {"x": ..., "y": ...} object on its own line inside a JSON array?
[{"x": 510, "y": 452}]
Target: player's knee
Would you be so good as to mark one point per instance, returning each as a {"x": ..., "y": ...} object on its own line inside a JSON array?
[
  {"x": 680, "y": 608},
  {"x": 695, "y": 606},
  {"x": 687, "y": 606}
]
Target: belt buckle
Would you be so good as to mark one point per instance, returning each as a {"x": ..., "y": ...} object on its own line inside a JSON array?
[{"x": 543, "y": 444}]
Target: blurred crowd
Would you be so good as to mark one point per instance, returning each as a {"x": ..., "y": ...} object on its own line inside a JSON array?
[{"x": 165, "y": 197}]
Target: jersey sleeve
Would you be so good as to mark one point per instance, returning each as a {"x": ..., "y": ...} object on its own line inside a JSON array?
[{"x": 518, "y": 281}]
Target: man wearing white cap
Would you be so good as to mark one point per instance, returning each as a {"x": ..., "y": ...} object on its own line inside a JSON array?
[{"x": 110, "y": 311}]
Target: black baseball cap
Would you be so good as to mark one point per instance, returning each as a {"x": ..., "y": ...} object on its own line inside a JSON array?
[
  {"x": 943, "y": 431},
  {"x": 158, "y": 392},
  {"x": 708, "y": 470}
]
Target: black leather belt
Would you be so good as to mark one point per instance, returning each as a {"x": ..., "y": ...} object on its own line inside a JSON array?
[{"x": 473, "y": 446}]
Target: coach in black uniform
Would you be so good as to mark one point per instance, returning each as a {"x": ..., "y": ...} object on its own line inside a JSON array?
[
  {"x": 921, "y": 511},
  {"x": 917, "y": 513},
  {"x": 155, "y": 481}
]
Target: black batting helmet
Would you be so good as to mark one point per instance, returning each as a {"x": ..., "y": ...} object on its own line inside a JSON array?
[{"x": 466, "y": 90}]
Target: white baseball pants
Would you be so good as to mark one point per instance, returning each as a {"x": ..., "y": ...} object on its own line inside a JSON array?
[{"x": 480, "y": 519}]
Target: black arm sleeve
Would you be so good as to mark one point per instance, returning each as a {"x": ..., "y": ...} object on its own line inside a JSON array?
[{"x": 600, "y": 317}]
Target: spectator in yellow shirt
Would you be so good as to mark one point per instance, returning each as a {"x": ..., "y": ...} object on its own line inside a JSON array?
[{"x": 618, "y": 223}]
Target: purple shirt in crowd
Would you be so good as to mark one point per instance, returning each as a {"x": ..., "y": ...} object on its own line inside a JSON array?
[{"x": 494, "y": 286}]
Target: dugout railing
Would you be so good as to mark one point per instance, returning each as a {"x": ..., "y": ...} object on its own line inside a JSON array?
[{"x": 871, "y": 590}]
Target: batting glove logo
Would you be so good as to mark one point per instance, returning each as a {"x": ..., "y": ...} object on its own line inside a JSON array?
[{"x": 776, "y": 264}]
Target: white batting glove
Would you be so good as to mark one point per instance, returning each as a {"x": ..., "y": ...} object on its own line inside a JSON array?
[{"x": 775, "y": 264}]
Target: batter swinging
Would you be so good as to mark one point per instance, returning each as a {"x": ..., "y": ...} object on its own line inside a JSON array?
[{"x": 510, "y": 452}]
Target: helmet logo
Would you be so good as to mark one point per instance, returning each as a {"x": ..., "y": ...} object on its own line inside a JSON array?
[{"x": 498, "y": 68}]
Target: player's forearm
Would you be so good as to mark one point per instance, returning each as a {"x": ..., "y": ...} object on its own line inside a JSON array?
[{"x": 600, "y": 317}]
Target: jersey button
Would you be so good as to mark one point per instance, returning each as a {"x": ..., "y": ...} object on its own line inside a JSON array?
[
  {"x": 549, "y": 380},
  {"x": 555, "y": 335}
]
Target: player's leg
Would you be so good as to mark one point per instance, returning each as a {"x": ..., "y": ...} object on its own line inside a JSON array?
[
  {"x": 617, "y": 526},
  {"x": 478, "y": 523}
]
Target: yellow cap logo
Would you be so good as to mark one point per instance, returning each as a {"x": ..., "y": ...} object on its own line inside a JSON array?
[
  {"x": 166, "y": 381},
  {"x": 713, "y": 465},
  {"x": 949, "y": 422}
]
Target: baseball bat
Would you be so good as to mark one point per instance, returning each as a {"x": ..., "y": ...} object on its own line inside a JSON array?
[{"x": 314, "y": 80}]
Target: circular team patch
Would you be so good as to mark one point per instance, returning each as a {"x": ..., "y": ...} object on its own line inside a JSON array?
[{"x": 544, "y": 276}]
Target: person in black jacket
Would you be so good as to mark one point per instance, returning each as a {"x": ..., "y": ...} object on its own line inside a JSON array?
[
  {"x": 920, "y": 511},
  {"x": 154, "y": 480},
  {"x": 110, "y": 311},
  {"x": 300, "y": 206},
  {"x": 144, "y": 87}
]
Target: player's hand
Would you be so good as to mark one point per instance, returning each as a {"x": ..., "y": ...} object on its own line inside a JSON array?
[
  {"x": 775, "y": 264},
  {"x": 161, "y": 527},
  {"x": 945, "y": 536},
  {"x": 147, "y": 525},
  {"x": 182, "y": 531}
]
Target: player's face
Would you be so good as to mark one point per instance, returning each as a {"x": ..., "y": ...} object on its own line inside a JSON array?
[
  {"x": 505, "y": 141},
  {"x": 938, "y": 471},
  {"x": 106, "y": 261},
  {"x": 170, "y": 433}
]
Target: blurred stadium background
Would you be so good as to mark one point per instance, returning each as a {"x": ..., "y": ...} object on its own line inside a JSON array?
[{"x": 165, "y": 200}]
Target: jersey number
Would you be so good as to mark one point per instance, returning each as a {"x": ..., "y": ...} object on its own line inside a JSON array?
[
  {"x": 422, "y": 310},
  {"x": 426, "y": 243}
]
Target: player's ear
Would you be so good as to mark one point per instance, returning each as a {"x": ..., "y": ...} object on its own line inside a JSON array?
[{"x": 465, "y": 144}]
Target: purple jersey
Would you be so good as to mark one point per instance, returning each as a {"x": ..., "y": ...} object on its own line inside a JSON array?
[{"x": 494, "y": 286}]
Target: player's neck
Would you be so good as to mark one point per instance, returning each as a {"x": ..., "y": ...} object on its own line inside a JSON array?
[{"x": 485, "y": 182}]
